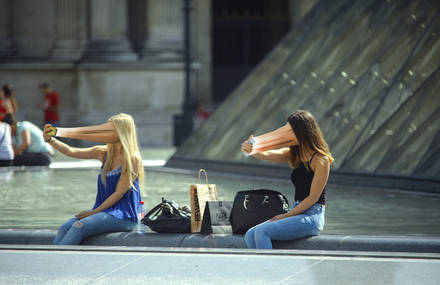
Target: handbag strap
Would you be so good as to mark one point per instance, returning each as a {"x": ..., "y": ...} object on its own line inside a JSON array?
[
  {"x": 154, "y": 210},
  {"x": 206, "y": 176},
  {"x": 265, "y": 192},
  {"x": 160, "y": 205},
  {"x": 175, "y": 209}
]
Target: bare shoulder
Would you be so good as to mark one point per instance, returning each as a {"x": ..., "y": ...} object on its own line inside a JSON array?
[
  {"x": 320, "y": 161},
  {"x": 100, "y": 151},
  {"x": 136, "y": 160}
]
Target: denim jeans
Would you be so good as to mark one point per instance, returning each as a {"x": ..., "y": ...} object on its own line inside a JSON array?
[
  {"x": 310, "y": 222},
  {"x": 74, "y": 230}
]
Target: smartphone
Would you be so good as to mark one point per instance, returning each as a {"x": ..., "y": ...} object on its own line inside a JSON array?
[{"x": 51, "y": 131}]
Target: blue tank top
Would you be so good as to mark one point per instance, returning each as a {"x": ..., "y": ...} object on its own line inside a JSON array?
[{"x": 127, "y": 207}]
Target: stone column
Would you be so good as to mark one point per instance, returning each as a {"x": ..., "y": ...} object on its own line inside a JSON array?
[
  {"x": 202, "y": 51},
  {"x": 70, "y": 29},
  {"x": 108, "y": 30},
  {"x": 136, "y": 24},
  {"x": 164, "y": 30},
  {"x": 6, "y": 45}
]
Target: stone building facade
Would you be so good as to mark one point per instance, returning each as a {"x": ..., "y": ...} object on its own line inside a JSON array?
[{"x": 106, "y": 57}]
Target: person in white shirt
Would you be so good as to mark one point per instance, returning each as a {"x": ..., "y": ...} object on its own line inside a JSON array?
[
  {"x": 30, "y": 149},
  {"x": 6, "y": 150}
]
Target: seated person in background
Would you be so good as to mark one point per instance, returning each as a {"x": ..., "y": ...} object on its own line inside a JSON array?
[
  {"x": 29, "y": 145},
  {"x": 6, "y": 151}
]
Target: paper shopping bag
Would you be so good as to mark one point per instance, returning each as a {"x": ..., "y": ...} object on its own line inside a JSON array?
[
  {"x": 199, "y": 195},
  {"x": 216, "y": 218}
]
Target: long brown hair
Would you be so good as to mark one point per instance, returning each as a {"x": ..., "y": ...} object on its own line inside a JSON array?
[
  {"x": 9, "y": 93},
  {"x": 309, "y": 137}
]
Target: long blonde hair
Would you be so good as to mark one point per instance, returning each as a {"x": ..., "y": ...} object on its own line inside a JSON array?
[
  {"x": 309, "y": 137},
  {"x": 126, "y": 129}
]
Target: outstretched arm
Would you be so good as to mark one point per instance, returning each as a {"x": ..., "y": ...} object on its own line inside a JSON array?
[
  {"x": 96, "y": 152},
  {"x": 279, "y": 138},
  {"x": 278, "y": 155},
  {"x": 104, "y": 133}
]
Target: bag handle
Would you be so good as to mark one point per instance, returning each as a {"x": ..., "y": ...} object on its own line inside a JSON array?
[
  {"x": 153, "y": 211},
  {"x": 159, "y": 206},
  {"x": 206, "y": 176},
  {"x": 175, "y": 209},
  {"x": 246, "y": 200}
]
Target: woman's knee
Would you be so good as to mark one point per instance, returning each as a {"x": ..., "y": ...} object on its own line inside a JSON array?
[
  {"x": 64, "y": 227},
  {"x": 78, "y": 224},
  {"x": 249, "y": 235},
  {"x": 260, "y": 232},
  {"x": 67, "y": 225},
  {"x": 68, "y": 230},
  {"x": 249, "y": 238},
  {"x": 77, "y": 228},
  {"x": 317, "y": 229}
]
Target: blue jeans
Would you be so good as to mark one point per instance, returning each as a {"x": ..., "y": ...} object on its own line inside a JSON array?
[
  {"x": 310, "y": 222},
  {"x": 74, "y": 230}
]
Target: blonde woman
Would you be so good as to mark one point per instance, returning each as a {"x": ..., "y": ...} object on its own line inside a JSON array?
[
  {"x": 310, "y": 158},
  {"x": 119, "y": 182}
]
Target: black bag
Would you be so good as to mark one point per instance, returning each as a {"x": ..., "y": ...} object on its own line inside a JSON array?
[
  {"x": 216, "y": 218},
  {"x": 167, "y": 217},
  {"x": 253, "y": 207}
]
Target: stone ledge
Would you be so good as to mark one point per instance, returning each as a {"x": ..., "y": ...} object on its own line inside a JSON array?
[{"x": 323, "y": 242}]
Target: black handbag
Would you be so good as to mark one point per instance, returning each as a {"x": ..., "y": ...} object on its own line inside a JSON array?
[
  {"x": 216, "y": 218},
  {"x": 253, "y": 207},
  {"x": 167, "y": 217}
]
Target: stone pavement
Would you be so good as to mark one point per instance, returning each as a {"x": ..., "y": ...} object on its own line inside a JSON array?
[{"x": 125, "y": 265}]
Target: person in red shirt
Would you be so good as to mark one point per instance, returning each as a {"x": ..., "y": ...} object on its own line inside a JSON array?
[
  {"x": 3, "y": 110},
  {"x": 8, "y": 103},
  {"x": 50, "y": 106}
]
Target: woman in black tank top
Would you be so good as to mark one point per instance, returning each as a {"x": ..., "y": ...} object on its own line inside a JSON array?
[{"x": 310, "y": 158}]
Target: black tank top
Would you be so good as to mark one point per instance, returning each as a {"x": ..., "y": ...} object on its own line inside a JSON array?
[{"x": 302, "y": 179}]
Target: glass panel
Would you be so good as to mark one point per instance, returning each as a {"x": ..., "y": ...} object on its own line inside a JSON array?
[{"x": 365, "y": 69}]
